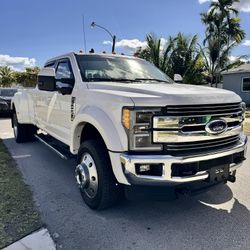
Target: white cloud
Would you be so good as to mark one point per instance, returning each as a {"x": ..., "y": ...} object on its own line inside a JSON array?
[
  {"x": 203, "y": 1},
  {"x": 243, "y": 5},
  {"x": 17, "y": 63},
  {"x": 246, "y": 43},
  {"x": 130, "y": 44},
  {"x": 133, "y": 44},
  {"x": 234, "y": 58}
]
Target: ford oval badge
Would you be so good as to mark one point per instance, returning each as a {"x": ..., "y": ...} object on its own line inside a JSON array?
[{"x": 216, "y": 127}]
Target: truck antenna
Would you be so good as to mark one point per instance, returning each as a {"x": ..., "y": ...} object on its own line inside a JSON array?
[{"x": 84, "y": 34}]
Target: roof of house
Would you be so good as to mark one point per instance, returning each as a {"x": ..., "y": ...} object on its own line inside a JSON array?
[{"x": 244, "y": 68}]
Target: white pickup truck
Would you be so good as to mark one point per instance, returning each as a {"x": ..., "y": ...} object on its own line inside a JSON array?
[{"x": 130, "y": 125}]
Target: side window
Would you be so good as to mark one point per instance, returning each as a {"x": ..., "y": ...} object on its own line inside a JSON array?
[
  {"x": 246, "y": 84},
  {"x": 50, "y": 65},
  {"x": 64, "y": 70}
]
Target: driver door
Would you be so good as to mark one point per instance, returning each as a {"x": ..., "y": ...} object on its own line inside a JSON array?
[{"x": 59, "y": 115}]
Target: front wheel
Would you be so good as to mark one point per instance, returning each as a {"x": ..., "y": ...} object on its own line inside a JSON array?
[{"x": 94, "y": 176}]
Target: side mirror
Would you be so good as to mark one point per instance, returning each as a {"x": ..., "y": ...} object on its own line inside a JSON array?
[
  {"x": 46, "y": 79},
  {"x": 65, "y": 85},
  {"x": 70, "y": 81},
  {"x": 64, "y": 88},
  {"x": 178, "y": 78}
]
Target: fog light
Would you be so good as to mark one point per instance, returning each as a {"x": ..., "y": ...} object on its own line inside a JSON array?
[
  {"x": 144, "y": 168},
  {"x": 149, "y": 169}
]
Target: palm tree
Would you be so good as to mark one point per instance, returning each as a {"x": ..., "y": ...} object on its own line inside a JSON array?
[
  {"x": 223, "y": 31},
  {"x": 180, "y": 55},
  {"x": 186, "y": 59},
  {"x": 156, "y": 52},
  {"x": 216, "y": 59},
  {"x": 6, "y": 76}
]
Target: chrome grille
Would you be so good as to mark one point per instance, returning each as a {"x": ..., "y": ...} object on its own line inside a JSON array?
[
  {"x": 198, "y": 146},
  {"x": 182, "y": 129},
  {"x": 194, "y": 110}
]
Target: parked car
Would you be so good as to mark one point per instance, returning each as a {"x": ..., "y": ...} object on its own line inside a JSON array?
[
  {"x": 131, "y": 126},
  {"x": 6, "y": 95}
]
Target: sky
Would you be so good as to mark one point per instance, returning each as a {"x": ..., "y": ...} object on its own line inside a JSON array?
[{"x": 33, "y": 31}]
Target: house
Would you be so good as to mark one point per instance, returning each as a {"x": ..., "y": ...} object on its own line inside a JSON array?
[{"x": 238, "y": 80}]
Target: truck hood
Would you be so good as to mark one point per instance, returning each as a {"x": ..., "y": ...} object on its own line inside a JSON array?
[{"x": 166, "y": 94}]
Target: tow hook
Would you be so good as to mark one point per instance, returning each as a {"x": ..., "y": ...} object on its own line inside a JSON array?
[{"x": 231, "y": 178}]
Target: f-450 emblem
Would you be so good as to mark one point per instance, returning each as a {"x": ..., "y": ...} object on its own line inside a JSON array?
[{"x": 73, "y": 108}]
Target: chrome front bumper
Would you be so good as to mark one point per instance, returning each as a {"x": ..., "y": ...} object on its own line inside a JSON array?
[{"x": 128, "y": 162}]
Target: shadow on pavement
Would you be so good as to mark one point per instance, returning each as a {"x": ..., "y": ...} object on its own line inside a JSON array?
[{"x": 213, "y": 219}]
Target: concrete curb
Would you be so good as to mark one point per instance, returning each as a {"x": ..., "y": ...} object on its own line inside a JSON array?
[{"x": 39, "y": 240}]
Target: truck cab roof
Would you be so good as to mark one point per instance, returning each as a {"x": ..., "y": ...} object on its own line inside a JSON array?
[{"x": 72, "y": 54}]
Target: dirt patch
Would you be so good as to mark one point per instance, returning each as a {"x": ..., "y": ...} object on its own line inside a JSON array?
[
  {"x": 18, "y": 214},
  {"x": 247, "y": 128},
  {"x": 248, "y": 113}
]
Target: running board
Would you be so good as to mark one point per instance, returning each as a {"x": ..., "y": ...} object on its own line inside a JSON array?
[{"x": 42, "y": 138}]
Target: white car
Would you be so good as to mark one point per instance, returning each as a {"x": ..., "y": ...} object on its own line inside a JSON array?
[{"x": 131, "y": 126}]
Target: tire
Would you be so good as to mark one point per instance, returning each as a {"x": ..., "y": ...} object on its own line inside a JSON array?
[
  {"x": 23, "y": 132},
  {"x": 94, "y": 165}
]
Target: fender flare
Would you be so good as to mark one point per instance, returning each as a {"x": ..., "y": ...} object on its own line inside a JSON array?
[
  {"x": 21, "y": 104},
  {"x": 104, "y": 125}
]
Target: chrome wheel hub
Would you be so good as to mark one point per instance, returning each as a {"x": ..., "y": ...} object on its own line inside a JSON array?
[{"x": 86, "y": 175}]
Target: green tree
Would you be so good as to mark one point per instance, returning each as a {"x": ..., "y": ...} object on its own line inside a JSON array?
[
  {"x": 216, "y": 60},
  {"x": 223, "y": 32},
  {"x": 186, "y": 59},
  {"x": 181, "y": 55},
  {"x": 28, "y": 78},
  {"x": 156, "y": 52},
  {"x": 6, "y": 76}
]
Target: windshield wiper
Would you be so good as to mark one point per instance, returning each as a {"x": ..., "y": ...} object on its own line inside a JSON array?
[
  {"x": 111, "y": 80},
  {"x": 151, "y": 79}
]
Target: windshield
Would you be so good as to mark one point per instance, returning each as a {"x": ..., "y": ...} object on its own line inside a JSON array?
[
  {"x": 7, "y": 92},
  {"x": 110, "y": 68}
]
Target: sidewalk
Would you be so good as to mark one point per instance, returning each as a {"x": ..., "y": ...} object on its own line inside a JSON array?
[{"x": 39, "y": 240}]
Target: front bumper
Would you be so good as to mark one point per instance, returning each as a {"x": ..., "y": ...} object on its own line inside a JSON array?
[{"x": 129, "y": 162}]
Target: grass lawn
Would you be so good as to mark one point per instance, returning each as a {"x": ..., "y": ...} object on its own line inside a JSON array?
[{"x": 18, "y": 215}]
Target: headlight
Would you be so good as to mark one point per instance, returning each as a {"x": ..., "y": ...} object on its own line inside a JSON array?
[{"x": 138, "y": 125}]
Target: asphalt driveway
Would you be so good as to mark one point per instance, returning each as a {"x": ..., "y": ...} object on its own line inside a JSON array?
[{"x": 219, "y": 218}]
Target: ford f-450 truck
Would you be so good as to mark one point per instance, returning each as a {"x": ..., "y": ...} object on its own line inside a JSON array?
[{"x": 130, "y": 125}]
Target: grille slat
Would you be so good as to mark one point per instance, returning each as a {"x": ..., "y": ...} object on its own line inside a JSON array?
[
  {"x": 195, "y": 110},
  {"x": 194, "y": 147},
  {"x": 202, "y": 143},
  {"x": 205, "y": 145}
]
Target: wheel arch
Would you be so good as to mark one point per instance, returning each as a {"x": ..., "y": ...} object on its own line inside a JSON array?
[
  {"x": 20, "y": 103},
  {"x": 94, "y": 120}
]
